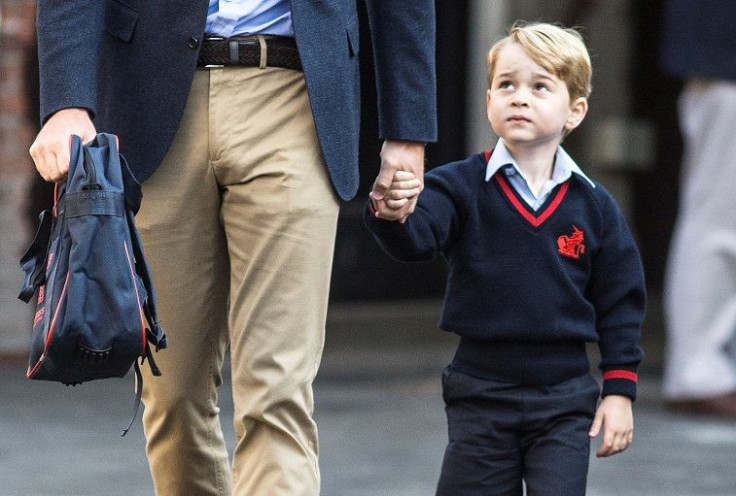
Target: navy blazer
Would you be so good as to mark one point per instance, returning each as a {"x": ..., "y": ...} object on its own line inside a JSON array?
[
  {"x": 131, "y": 63},
  {"x": 699, "y": 39}
]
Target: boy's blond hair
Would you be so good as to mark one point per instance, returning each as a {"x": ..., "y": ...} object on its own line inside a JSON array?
[{"x": 560, "y": 51}]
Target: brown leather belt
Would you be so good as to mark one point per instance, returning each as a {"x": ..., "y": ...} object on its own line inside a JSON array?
[{"x": 249, "y": 51}]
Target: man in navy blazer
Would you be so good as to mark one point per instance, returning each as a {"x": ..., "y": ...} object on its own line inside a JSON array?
[{"x": 241, "y": 119}]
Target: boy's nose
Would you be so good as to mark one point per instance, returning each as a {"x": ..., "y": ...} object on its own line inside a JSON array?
[
  {"x": 520, "y": 98},
  {"x": 519, "y": 101}
]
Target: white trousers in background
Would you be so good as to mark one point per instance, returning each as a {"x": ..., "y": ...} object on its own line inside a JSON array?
[{"x": 700, "y": 283}]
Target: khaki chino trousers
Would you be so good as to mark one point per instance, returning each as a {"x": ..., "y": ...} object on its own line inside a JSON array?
[{"x": 239, "y": 226}]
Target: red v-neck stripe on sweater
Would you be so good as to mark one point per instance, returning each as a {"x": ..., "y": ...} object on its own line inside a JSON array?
[{"x": 534, "y": 220}]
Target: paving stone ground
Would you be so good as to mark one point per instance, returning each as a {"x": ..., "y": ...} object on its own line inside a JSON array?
[{"x": 382, "y": 427}]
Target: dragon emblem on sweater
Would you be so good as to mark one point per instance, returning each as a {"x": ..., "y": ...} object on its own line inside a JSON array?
[{"x": 572, "y": 245}]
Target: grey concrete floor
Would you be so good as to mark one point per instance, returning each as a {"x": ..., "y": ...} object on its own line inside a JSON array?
[{"x": 381, "y": 419}]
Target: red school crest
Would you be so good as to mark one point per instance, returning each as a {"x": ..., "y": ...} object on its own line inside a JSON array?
[{"x": 571, "y": 246}]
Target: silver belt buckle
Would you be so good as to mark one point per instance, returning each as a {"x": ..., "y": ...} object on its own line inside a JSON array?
[{"x": 212, "y": 38}]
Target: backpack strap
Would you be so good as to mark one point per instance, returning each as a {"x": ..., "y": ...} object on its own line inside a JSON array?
[
  {"x": 132, "y": 188},
  {"x": 133, "y": 198},
  {"x": 139, "y": 385},
  {"x": 33, "y": 261},
  {"x": 155, "y": 332},
  {"x": 138, "y": 396}
]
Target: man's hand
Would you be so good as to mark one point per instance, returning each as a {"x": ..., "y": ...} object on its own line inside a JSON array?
[
  {"x": 50, "y": 151},
  {"x": 615, "y": 417},
  {"x": 397, "y": 156}
]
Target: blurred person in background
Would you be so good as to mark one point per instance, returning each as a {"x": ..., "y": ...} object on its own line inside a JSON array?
[{"x": 699, "y": 46}]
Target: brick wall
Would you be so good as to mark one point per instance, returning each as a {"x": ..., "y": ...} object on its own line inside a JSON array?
[{"x": 17, "y": 33}]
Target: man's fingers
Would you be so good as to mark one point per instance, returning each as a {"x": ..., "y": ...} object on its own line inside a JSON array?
[
  {"x": 382, "y": 184},
  {"x": 397, "y": 159},
  {"x": 50, "y": 150},
  {"x": 51, "y": 159}
]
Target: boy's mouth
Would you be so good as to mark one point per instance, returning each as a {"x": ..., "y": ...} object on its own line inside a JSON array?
[{"x": 518, "y": 119}]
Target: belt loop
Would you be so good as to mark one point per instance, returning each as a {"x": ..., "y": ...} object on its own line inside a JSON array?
[
  {"x": 264, "y": 51},
  {"x": 234, "y": 52}
]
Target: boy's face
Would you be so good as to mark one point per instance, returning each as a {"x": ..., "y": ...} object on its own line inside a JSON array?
[{"x": 527, "y": 105}]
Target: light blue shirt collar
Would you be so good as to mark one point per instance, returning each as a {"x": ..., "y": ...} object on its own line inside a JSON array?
[{"x": 564, "y": 167}]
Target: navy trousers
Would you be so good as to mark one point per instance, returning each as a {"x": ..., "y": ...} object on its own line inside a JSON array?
[{"x": 502, "y": 436}]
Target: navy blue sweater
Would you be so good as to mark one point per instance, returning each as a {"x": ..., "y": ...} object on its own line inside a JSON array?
[{"x": 526, "y": 290}]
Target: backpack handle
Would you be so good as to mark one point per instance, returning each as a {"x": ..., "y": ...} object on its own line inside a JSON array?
[{"x": 91, "y": 169}]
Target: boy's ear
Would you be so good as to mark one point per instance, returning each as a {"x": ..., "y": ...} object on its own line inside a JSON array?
[
  {"x": 578, "y": 109},
  {"x": 488, "y": 104}
]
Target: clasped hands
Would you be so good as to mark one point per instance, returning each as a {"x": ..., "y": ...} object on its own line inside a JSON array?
[{"x": 400, "y": 180}]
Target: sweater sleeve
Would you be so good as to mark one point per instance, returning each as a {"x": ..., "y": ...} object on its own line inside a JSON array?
[
  {"x": 617, "y": 291},
  {"x": 427, "y": 232}
]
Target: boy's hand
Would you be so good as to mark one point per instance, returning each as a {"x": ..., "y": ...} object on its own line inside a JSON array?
[
  {"x": 615, "y": 417},
  {"x": 404, "y": 190}
]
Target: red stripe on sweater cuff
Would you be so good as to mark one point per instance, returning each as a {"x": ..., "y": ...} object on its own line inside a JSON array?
[{"x": 620, "y": 374}]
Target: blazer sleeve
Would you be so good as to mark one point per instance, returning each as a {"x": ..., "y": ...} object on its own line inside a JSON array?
[
  {"x": 403, "y": 36},
  {"x": 69, "y": 35}
]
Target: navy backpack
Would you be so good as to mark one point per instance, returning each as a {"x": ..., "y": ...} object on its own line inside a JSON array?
[{"x": 95, "y": 302}]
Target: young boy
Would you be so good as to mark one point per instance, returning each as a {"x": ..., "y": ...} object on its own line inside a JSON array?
[{"x": 540, "y": 262}]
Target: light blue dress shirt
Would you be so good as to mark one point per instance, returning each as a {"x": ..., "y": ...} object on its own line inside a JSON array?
[
  {"x": 244, "y": 17},
  {"x": 563, "y": 169}
]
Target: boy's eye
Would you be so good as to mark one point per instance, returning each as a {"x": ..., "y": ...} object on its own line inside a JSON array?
[
  {"x": 541, "y": 87},
  {"x": 505, "y": 85}
]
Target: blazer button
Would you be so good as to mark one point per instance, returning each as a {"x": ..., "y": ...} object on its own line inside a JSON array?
[{"x": 193, "y": 42}]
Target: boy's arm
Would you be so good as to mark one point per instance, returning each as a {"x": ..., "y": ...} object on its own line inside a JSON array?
[
  {"x": 617, "y": 291},
  {"x": 426, "y": 232},
  {"x": 615, "y": 418}
]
